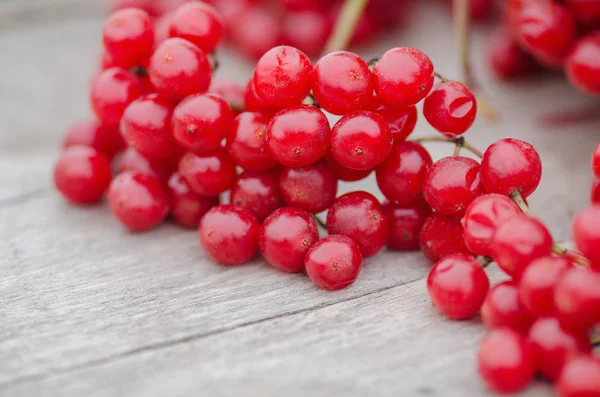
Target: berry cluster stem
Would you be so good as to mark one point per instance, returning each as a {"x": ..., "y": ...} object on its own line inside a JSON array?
[
  {"x": 319, "y": 221},
  {"x": 440, "y": 76},
  {"x": 345, "y": 25},
  {"x": 460, "y": 143}
]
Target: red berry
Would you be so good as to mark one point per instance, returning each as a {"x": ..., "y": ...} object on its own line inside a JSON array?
[
  {"x": 344, "y": 173},
  {"x": 298, "y": 136},
  {"x": 334, "y": 263},
  {"x": 450, "y": 108},
  {"x": 583, "y": 64},
  {"x": 586, "y": 233},
  {"x": 178, "y": 69},
  {"x": 402, "y": 122},
  {"x": 138, "y": 201},
  {"x": 596, "y": 161},
  {"x": 198, "y": 23},
  {"x": 201, "y": 122},
  {"x": 112, "y": 91},
  {"x": 406, "y": 223},
  {"x": 536, "y": 287},
  {"x": 509, "y": 165},
  {"x": 403, "y": 76},
  {"x": 577, "y": 298},
  {"x": 507, "y": 60},
  {"x": 595, "y": 192},
  {"x": 315, "y": 30},
  {"x": 483, "y": 217},
  {"x": 248, "y": 39},
  {"x": 282, "y": 76},
  {"x": 518, "y": 241},
  {"x": 208, "y": 174},
  {"x": 451, "y": 184},
  {"x": 341, "y": 83},
  {"x": 247, "y": 142},
  {"x": 232, "y": 92},
  {"x": 150, "y": 6},
  {"x": 553, "y": 345},
  {"x": 229, "y": 235},
  {"x": 106, "y": 139},
  {"x": 580, "y": 377},
  {"x": 162, "y": 25},
  {"x": 400, "y": 177},
  {"x": 258, "y": 192},
  {"x": 82, "y": 175},
  {"x": 128, "y": 37},
  {"x": 285, "y": 238},
  {"x": 503, "y": 308},
  {"x": 505, "y": 361},
  {"x": 253, "y": 103},
  {"x": 312, "y": 188},
  {"x": 187, "y": 208},
  {"x": 132, "y": 160},
  {"x": 361, "y": 217},
  {"x": 442, "y": 235},
  {"x": 361, "y": 140},
  {"x": 585, "y": 11},
  {"x": 457, "y": 285}
]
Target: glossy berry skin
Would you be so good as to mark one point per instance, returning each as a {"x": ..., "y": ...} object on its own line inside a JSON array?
[
  {"x": 585, "y": 11},
  {"x": 132, "y": 160},
  {"x": 507, "y": 60},
  {"x": 341, "y": 83},
  {"x": 187, "y": 208},
  {"x": 334, "y": 262},
  {"x": 178, "y": 69},
  {"x": 442, "y": 235},
  {"x": 316, "y": 28},
  {"x": 298, "y": 136},
  {"x": 82, "y": 175},
  {"x": 253, "y": 103},
  {"x": 247, "y": 142},
  {"x": 200, "y": 122},
  {"x": 450, "y": 108},
  {"x": 405, "y": 224},
  {"x": 505, "y": 361},
  {"x": 232, "y": 92},
  {"x": 208, "y": 174},
  {"x": 258, "y": 192},
  {"x": 146, "y": 126},
  {"x": 229, "y": 235},
  {"x": 402, "y": 122},
  {"x": 400, "y": 177},
  {"x": 586, "y": 233},
  {"x": 503, "y": 308},
  {"x": 285, "y": 238},
  {"x": 112, "y": 91},
  {"x": 344, "y": 173},
  {"x": 312, "y": 188},
  {"x": 552, "y": 346},
  {"x": 517, "y": 242},
  {"x": 451, "y": 184},
  {"x": 128, "y": 37},
  {"x": 403, "y": 76},
  {"x": 457, "y": 285},
  {"x": 596, "y": 161},
  {"x": 198, "y": 23},
  {"x": 577, "y": 299},
  {"x": 595, "y": 192},
  {"x": 580, "y": 377},
  {"x": 105, "y": 139},
  {"x": 138, "y": 201},
  {"x": 361, "y": 140},
  {"x": 509, "y": 165},
  {"x": 482, "y": 218},
  {"x": 282, "y": 76},
  {"x": 538, "y": 282},
  {"x": 582, "y": 65},
  {"x": 361, "y": 217},
  {"x": 251, "y": 41}
]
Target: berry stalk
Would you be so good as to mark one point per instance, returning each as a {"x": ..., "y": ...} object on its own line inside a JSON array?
[
  {"x": 319, "y": 221},
  {"x": 460, "y": 143},
  {"x": 345, "y": 25}
]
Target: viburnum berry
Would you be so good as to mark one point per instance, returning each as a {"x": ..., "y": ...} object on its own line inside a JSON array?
[
  {"x": 400, "y": 177},
  {"x": 450, "y": 108},
  {"x": 282, "y": 76},
  {"x": 198, "y": 23},
  {"x": 152, "y": 7},
  {"x": 580, "y": 377},
  {"x": 442, "y": 235},
  {"x": 403, "y": 76},
  {"x": 229, "y": 234},
  {"x": 298, "y": 136},
  {"x": 316, "y": 28},
  {"x": 582, "y": 65},
  {"x": 128, "y": 37},
  {"x": 334, "y": 262},
  {"x": 112, "y": 91},
  {"x": 285, "y": 238},
  {"x": 312, "y": 188},
  {"x": 253, "y": 103},
  {"x": 402, "y": 122},
  {"x": 596, "y": 161},
  {"x": 248, "y": 39},
  {"x": 577, "y": 299},
  {"x": 457, "y": 285},
  {"x": 82, "y": 175},
  {"x": 232, "y": 92},
  {"x": 344, "y": 173},
  {"x": 505, "y": 361},
  {"x": 503, "y": 308},
  {"x": 341, "y": 83},
  {"x": 162, "y": 26},
  {"x": 361, "y": 217},
  {"x": 139, "y": 201},
  {"x": 132, "y": 160},
  {"x": 482, "y": 218},
  {"x": 511, "y": 165},
  {"x": 585, "y": 11},
  {"x": 187, "y": 208},
  {"x": 406, "y": 222},
  {"x": 595, "y": 192},
  {"x": 208, "y": 174},
  {"x": 538, "y": 282},
  {"x": 106, "y": 139},
  {"x": 258, "y": 192},
  {"x": 200, "y": 122},
  {"x": 586, "y": 233},
  {"x": 178, "y": 69},
  {"x": 247, "y": 142},
  {"x": 507, "y": 60}
]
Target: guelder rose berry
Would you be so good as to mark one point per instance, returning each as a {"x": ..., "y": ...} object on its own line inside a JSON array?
[
  {"x": 334, "y": 263},
  {"x": 112, "y": 91},
  {"x": 198, "y": 23},
  {"x": 312, "y": 188},
  {"x": 406, "y": 222},
  {"x": 208, "y": 174},
  {"x": 577, "y": 298},
  {"x": 580, "y": 377},
  {"x": 450, "y": 108},
  {"x": 442, "y": 235},
  {"x": 586, "y": 233},
  {"x": 104, "y": 138},
  {"x": 128, "y": 37},
  {"x": 538, "y": 282},
  {"x": 187, "y": 208},
  {"x": 402, "y": 121},
  {"x": 257, "y": 192},
  {"x": 247, "y": 142},
  {"x": 503, "y": 308}
]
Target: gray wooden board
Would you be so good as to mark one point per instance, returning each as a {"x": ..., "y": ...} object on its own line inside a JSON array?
[{"x": 88, "y": 308}]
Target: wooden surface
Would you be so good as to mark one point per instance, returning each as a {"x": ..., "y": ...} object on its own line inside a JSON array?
[{"x": 87, "y": 308}]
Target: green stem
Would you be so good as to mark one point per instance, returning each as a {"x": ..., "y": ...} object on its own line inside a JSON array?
[
  {"x": 440, "y": 76},
  {"x": 345, "y": 25},
  {"x": 319, "y": 221},
  {"x": 518, "y": 199},
  {"x": 457, "y": 141}
]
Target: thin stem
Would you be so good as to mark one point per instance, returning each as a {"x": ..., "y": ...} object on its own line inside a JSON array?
[
  {"x": 459, "y": 140},
  {"x": 440, "y": 76},
  {"x": 345, "y": 25},
  {"x": 319, "y": 221},
  {"x": 596, "y": 341},
  {"x": 373, "y": 61},
  {"x": 484, "y": 261},
  {"x": 236, "y": 107},
  {"x": 457, "y": 147},
  {"x": 576, "y": 257},
  {"x": 472, "y": 149},
  {"x": 518, "y": 199}
]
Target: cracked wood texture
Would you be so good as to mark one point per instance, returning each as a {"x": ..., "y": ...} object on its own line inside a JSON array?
[{"x": 90, "y": 309}]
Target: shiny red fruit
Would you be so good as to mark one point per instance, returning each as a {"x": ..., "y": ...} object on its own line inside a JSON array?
[
  {"x": 442, "y": 235},
  {"x": 507, "y": 60},
  {"x": 596, "y": 161},
  {"x": 105, "y": 139},
  {"x": 580, "y": 377},
  {"x": 258, "y": 192},
  {"x": 312, "y": 188},
  {"x": 187, "y": 208},
  {"x": 316, "y": 28},
  {"x": 406, "y": 222},
  {"x": 450, "y": 108},
  {"x": 503, "y": 308},
  {"x": 577, "y": 299},
  {"x": 232, "y": 92},
  {"x": 538, "y": 282},
  {"x": 586, "y": 233},
  {"x": 595, "y": 192},
  {"x": 253, "y": 103},
  {"x": 344, "y": 173},
  {"x": 402, "y": 122},
  {"x": 132, "y": 160},
  {"x": 583, "y": 64},
  {"x": 112, "y": 91},
  {"x": 128, "y": 37},
  {"x": 208, "y": 174},
  {"x": 334, "y": 262},
  {"x": 586, "y": 12},
  {"x": 251, "y": 41},
  {"x": 247, "y": 142},
  {"x": 198, "y": 23}
]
